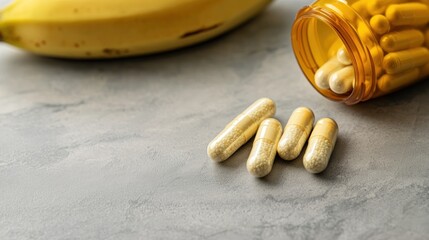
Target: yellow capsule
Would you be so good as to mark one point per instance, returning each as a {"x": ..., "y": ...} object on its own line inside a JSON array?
[
  {"x": 320, "y": 146},
  {"x": 401, "y": 61},
  {"x": 380, "y": 24},
  {"x": 375, "y": 7},
  {"x": 366, "y": 35},
  {"x": 341, "y": 81},
  {"x": 240, "y": 130},
  {"x": 377, "y": 56},
  {"x": 334, "y": 48},
  {"x": 296, "y": 133},
  {"x": 343, "y": 56},
  {"x": 322, "y": 74},
  {"x": 390, "y": 82},
  {"x": 263, "y": 152},
  {"x": 427, "y": 38},
  {"x": 401, "y": 40},
  {"x": 412, "y": 14},
  {"x": 360, "y": 7},
  {"x": 424, "y": 71}
]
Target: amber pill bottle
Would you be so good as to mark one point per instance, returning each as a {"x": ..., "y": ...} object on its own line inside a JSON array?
[{"x": 386, "y": 42}]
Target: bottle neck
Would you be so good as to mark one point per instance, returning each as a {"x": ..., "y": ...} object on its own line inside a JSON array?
[{"x": 326, "y": 24}]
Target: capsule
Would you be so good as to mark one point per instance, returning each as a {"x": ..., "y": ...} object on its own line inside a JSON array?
[
  {"x": 401, "y": 61},
  {"x": 375, "y": 7},
  {"x": 296, "y": 133},
  {"x": 333, "y": 49},
  {"x": 263, "y": 152},
  {"x": 322, "y": 74},
  {"x": 401, "y": 40},
  {"x": 427, "y": 38},
  {"x": 377, "y": 56},
  {"x": 343, "y": 56},
  {"x": 360, "y": 7},
  {"x": 366, "y": 35},
  {"x": 341, "y": 81},
  {"x": 320, "y": 145},
  {"x": 411, "y": 14},
  {"x": 391, "y": 82},
  {"x": 240, "y": 130},
  {"x": 424, "y": 71},
  {"x": 380, "y": 24}
]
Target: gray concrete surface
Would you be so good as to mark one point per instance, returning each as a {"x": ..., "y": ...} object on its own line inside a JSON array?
[{"x": 117, "y": 149}]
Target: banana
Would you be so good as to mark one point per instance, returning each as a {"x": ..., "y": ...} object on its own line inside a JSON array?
[{"x": 84, "y": 29}]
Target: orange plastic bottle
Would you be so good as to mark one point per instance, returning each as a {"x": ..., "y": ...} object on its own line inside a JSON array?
[{"x": 353, "y": 51}]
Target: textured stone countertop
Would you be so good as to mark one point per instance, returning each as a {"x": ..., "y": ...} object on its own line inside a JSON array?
[{"x": 117, "y": 149}]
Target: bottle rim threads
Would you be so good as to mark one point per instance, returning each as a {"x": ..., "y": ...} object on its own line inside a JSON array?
[{"x": 357, "y": 38}]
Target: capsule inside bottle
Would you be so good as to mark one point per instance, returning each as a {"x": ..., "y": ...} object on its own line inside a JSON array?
[
  {"x": 408, "y": 14},
  {"x": 384, "y": 42}
]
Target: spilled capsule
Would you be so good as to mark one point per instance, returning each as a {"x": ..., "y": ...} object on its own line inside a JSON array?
[
  {"x": 411, "y": 14},
  {"x": 401, "y": 40},
  {"x": 296, "y": 133},
  {"x": 322, "y": 74},
  {"x": 263, "y": 152},
  {"x": 401, "y": 61},
  {"x": 320, "y": 146},
  {"x": 341, "y": 81},
  {"x": 240, "y": 130}
]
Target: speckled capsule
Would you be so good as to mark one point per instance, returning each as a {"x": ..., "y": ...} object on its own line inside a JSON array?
[
  {"x": 263, "y": 152},
  {"x": 296, "y": 133},
  {"x": 240, "y": 130},
  {"x": 320, "y": 145}
]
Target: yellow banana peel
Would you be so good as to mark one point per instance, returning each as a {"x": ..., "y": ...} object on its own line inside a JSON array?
[{"x": 84, "y": 29}]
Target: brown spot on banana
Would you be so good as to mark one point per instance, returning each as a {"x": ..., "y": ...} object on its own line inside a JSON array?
[
  {"x": 200, "y": 30},
  {"x": 113, "y": 51}
]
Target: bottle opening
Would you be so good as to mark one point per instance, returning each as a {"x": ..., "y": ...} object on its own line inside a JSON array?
[{"x": 332, "y": 44}]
